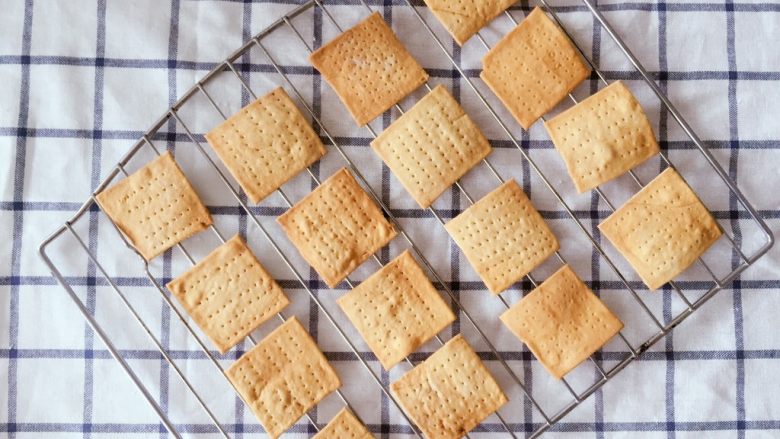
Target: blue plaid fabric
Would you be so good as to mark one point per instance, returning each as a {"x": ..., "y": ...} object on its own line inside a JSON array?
[{"x": 80, "y": 81}]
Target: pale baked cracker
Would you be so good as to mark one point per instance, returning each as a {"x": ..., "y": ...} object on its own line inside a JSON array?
[
  {"x": 155, "y": 207},
  {"x": 431, "y": 146},
  {"x": 336, "y": 227},
  {"x": 396, "y": 310},
  {"x": 603, "y": 136},
  {"x": 662, "y": 229},
  {"x": 344, "y": 426},
  {"x": 450, "y": 393},
  {"x": 369, "y": 68},
  {"x": 228, "y": 293},
  {"x": 503, "y": 236},
  {"x": 464, "y": 18},
  {"x": 562, "y": 322},
  {"x": 266, "y": 144},
  {"x": 283, "y": 377},
  {"x": 533, "y": 68}
]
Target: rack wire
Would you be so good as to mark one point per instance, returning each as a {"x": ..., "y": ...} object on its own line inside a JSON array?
[{"x": 228, "y": 65}]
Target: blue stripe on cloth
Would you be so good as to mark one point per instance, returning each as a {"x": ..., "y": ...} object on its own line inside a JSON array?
[
  {"x": 96, "y": 177},
  {"x": 735, "y": 225},
  {"x": 18, "y": 220}
]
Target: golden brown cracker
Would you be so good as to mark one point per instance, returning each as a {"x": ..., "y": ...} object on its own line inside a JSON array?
[
  {"x": 369, "y": 68},
  {"x": 155, "y": 207},
  {"x": 450, "y": 393},
  {"x": 464, "y": 18},
  {"x": 662, "y": 229},
  {"x": 562, "y": 322},
  {"x": 228, "y": 293},
  {"x": 283, "y": 377},
  {"x": 533, "y": 68},
  {"x": 603, "y": 136},
  {"x": 396, "y": 310},
  {"x": 266, "y": 144},
  {"x": 344, "y": 426},
  {"x": 431, "y": 146},
  {"x": 336, "y": 227},
  {"x": 503, "y": 236}
]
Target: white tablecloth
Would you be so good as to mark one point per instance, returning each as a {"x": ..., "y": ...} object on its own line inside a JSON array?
[{"x": 81, "y": 80}]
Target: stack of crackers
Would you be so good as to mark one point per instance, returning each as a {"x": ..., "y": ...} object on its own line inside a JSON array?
[{"x": 338, "y": 226}]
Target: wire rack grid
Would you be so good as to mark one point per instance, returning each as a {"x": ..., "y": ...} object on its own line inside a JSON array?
[{"x": 257, "y": 42}]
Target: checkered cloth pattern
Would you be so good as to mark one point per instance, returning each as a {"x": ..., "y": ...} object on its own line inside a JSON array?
[{"x": 80, "y": 81}]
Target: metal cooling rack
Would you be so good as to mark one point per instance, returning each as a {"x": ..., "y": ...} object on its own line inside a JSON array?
[{"x": 513, "y": 429}]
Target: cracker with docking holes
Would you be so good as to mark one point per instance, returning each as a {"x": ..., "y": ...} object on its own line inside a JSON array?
[
  {"x": 344, "y": 426},
  {"x": 283, "y": 377},
  {"x": 662, "y": 229},
  {"x": 155, "y": 207},
  {"x": 450, "y": 393},
  {"x": 562, "y": 322},
  {"x": 266, "y": 144},
  {"x": 396, "y": 310},
  {"x": 369, "y": 68},
  {"x": 431, "y": 146},
  {"x": 464, "y": 18},
  {"x": 228, "y": 293},
  {"x": 533, "y": 68},
  {"x": 336, "y": 227},
  {"x": 603, "y": 137},
  {"x": 503, "y": 236}
]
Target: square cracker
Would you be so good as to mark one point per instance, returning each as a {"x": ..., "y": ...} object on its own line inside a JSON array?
[
  {"x": 266, "y": 144},
  {"x": 603, "y": 136},
  {"x": 662, "y": 229},
  {"x": 450, "y": 393},
  {"x": 431, "y": 146},
  {"x": 503, "y": 236},
  {"x": 344, "y": 426},
  {"x": 155, "y": 207},
  {"x": 283, "y": 377},
  {"x": 533, "y": 68},
  {"x": 464, "y": 18},
  {"x": 336, "y": 227},
  {"x": 562, "y": 322},
  {"x": 228, "y": 293},
  {"x": 396, "y": 310},
  {"x": 369, "y": 68}
]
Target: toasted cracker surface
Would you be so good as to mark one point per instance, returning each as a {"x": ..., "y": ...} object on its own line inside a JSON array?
[
  {"x": 266, "y": 144},
  {"x": 562, "y": 322},
  {"x": 662, "y": 229},
  {"x": 369, "y": 68},
  {"x": 155, "y": 207},
  {"x": 283, "y": 377}
]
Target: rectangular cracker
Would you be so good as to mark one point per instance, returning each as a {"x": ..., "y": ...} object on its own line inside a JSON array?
[
  {"x": 396, "y": 310},
  {"x": 602, "y": 137},
  {"x": 464, "y": 18},
  {"x": 533, "y": 68},
  {"x": 155, "y": 207},
  {"x": 344, "y": 426},
  {"x": 450, "y": 393},
  {"x": 662, "y": 229},
  {"x": 369, "y": 68},
  {"x": 503, "y": 236},
  {"x": 431, "y": 146},
  {"x": 283, "y": 377},
  {"x": 228, "y": 293},
  {"x": 562, "y": 322},
  {"x": 266, "y": 143},
  {"x": 336, "y": 227}
]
